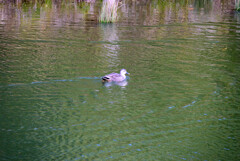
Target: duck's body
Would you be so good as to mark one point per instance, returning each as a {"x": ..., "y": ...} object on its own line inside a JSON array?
[{"x": 115, "y": 77}]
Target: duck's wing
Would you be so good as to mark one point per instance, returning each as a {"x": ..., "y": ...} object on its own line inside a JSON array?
[
  {"x": 117, "y": 77},
  {"x": 110, "y": 76}
]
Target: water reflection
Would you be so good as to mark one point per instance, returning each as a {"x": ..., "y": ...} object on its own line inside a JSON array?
[
  {"x": 122, "y": 83},
  {"x": 110, "y": 36}
]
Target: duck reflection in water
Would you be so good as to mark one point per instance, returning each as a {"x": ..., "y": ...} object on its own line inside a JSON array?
[{"x": 122, "y": 83}]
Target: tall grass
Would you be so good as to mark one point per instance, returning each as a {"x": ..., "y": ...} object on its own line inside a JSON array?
[{"x": 109, "y": 11}]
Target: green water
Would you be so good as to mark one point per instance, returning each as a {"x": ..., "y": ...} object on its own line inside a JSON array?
[{"x": 181, "y": 101}]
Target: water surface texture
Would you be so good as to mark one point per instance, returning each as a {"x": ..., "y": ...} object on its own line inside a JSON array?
[{"x": 181, "y": 101}]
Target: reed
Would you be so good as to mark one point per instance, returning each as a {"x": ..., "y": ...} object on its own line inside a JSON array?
[{"x": 109, "y": 11}]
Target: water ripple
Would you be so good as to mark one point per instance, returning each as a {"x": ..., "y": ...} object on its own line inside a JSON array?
[{"x": 52, "y": 81}]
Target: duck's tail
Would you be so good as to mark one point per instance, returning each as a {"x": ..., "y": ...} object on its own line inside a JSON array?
[{"x": 105, "y": 79}]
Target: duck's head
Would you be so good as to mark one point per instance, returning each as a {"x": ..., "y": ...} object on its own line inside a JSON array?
[{"x": 123, "y": 72}]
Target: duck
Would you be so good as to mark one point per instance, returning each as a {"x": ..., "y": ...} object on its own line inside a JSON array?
[{"x": 115, "y": 77}]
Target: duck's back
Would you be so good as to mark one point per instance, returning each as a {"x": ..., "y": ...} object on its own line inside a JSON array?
[{"x": 113, "y": 75}]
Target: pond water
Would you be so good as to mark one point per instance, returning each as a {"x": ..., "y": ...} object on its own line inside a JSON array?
[{"x": 181, "y": 101}]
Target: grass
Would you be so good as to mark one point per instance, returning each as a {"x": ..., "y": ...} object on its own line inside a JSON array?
[{"x": 109, "y": 11}]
